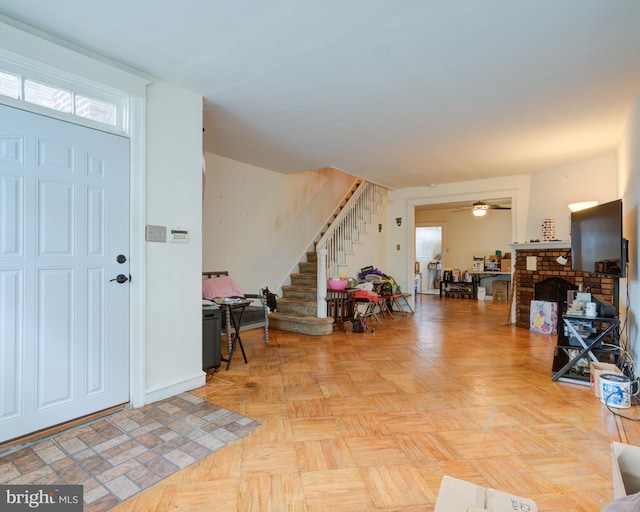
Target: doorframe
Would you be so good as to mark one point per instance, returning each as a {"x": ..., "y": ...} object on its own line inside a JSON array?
[
  {"x": 20, "y": 52},
  {"x": 137, "y": 248},
  {"x": 518, "y": 207},
  {"x": 442, "y": 225}
]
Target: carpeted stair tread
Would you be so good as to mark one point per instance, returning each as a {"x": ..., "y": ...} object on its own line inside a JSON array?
[
  {"x": 302, "y": 306},
  {"x": 299, "y": 292},
  {"x": 311, "y": 325},
  {"x": 306, "y": 277},
  {"x": 296, "y": 300},
  {"x": 310, "y": 268}
]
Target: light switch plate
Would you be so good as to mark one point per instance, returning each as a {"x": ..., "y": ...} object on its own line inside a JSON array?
[{"x": 156, "y": 233}]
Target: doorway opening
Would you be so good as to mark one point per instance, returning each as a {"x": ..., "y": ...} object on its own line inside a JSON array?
[{"x": 428, "y": 259}]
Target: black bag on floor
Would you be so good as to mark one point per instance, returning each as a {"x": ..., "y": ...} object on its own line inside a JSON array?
[{"x": 360, "y": 324}]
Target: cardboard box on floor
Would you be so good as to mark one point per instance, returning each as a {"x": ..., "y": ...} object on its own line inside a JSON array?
[
  {"x": 626, "y": 469},
  {"x": 501, "y": 290},
  {"x": 597, "y": 369},
  {"x": 460, "y": 496}
]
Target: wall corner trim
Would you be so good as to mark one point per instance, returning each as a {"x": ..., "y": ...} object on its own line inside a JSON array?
[{"x": 197, "y": 381}]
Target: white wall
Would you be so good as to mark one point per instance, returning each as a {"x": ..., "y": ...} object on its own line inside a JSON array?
[
  {"x": 534, "y": 197},
  {"x": 402, "y": 204},
  {"x": 629, "y": 191},
  {"x": 258, "y": 224},
  {"x": 166, "y": 189},
  {"x": 465, "y": 236},
  {"x": 553, "y": 189},
  {"x": 371, "y": 249},
  {"x": 173, "y": 270}
]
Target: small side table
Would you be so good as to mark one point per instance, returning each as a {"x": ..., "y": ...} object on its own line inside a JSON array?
[
  {"x": 340, "y": 306},
  {"x": 228, "y": 306}
]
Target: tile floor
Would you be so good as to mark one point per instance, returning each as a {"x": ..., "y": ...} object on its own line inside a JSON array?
[{"x": 116, "y": 457}]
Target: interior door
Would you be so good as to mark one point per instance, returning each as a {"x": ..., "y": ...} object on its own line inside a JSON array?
[
  {"x": 64, "y": 237},
  {"x": 429, "y": 257}
]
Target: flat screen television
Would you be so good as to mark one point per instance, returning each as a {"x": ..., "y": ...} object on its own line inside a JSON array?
[{"x": 597, "y": 244}]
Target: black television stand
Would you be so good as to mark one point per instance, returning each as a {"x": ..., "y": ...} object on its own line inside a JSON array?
[{"x": 583, "y": 338}]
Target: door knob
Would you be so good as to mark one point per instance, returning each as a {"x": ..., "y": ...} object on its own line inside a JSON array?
[{"x": 121, "y": 278}]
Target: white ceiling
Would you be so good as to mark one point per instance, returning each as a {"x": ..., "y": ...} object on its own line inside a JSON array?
[{"x": 400, "y": 92}]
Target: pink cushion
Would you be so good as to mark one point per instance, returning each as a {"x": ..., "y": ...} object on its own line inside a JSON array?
[{"x": 222, "y": 286}]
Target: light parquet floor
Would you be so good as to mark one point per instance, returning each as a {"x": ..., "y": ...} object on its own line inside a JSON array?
[{"x": 372, "y": 421}]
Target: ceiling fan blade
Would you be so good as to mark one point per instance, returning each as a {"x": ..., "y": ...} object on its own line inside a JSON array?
[{"x": 498, "y": 207}]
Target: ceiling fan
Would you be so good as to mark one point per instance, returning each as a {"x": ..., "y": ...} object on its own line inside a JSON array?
[{"x": 480, "y": 208}]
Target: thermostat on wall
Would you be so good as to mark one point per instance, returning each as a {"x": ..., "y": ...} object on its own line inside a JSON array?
[{"x": 178, "y": 235}]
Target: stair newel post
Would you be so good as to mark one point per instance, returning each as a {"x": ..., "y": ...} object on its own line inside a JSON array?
[{"x": 322, "y": 282}]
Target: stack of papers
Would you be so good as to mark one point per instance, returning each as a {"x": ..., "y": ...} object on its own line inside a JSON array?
[{"x": 229, "y": 300}]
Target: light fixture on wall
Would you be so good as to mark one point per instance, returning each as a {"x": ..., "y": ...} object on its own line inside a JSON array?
[
  {"x": 562, "y": 260},
  {"x": 379, "y": 228},
  {"x": 399, "y": 221},
  {"x": 582, "y": 205}
]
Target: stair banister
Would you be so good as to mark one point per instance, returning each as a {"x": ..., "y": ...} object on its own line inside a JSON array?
[
  {"x": 339, "y": 236},
  {"x": 338, "y": 221}
]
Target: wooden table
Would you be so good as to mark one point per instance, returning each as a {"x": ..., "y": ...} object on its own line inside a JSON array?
[{"x": 340, "y": 306}]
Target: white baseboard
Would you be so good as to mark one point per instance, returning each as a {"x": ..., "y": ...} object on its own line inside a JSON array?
[{"x": 160, "y": 393}]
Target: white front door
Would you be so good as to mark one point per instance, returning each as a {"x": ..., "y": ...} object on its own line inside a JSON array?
[{"x": 64, "y": 237}]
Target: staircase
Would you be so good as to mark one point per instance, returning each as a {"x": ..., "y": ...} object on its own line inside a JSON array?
[
  {"x": 297, "y": 308},
  {"x": 301, "y": 307}
]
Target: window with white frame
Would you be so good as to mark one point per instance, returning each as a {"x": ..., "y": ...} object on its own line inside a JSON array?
[
  {"x": 58, "y": 99},
  {"x": 9, "y": 85}
]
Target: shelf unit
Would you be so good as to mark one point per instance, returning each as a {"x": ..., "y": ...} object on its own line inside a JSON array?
[
  {"x": 461, "y": 289},
  {"x": 581, "y": 341}
]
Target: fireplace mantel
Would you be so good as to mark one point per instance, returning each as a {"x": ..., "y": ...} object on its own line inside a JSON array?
[{"x": 560, "y": 244}]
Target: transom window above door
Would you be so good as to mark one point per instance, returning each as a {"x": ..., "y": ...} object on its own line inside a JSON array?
[{"x": 55, "y": 98}]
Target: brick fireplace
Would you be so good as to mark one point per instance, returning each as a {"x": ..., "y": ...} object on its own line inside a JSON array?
[{"x": 543, "y": 257}]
